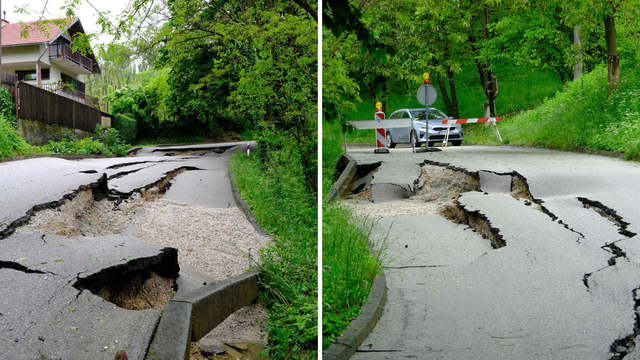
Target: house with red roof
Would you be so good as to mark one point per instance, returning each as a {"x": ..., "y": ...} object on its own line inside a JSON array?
[{"x": 44, "y": 55}]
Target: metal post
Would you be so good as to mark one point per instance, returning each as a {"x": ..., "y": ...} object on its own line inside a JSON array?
[
  {"x": 345, "y": 142},
  {"x": 426, "y": 104}
]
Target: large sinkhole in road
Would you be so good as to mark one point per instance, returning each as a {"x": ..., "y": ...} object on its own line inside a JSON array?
[
  {"x": 141, "y": 284},
  {"x": 436, "y": 191},
  {"x": 99, "y": 211}
]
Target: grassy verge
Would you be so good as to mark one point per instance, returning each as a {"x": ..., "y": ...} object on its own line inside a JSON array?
[
  {"x": 349, "y": 268},
  {"x": 582, "y": 115},
  {"x": 288, "y": 268}
]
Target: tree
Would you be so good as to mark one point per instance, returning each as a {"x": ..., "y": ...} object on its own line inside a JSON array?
[{"x": 589, "y": 14}]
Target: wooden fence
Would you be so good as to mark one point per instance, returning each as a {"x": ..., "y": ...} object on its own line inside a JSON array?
[
  {"x": 49, "y": 108},
  {"x": 8, "y": 77},
  {"x": 8, "y": 81}
]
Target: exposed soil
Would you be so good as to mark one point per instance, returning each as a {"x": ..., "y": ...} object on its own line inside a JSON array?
[
  {"x": 140, "y": 291},
  {"x": 83, "y": 216},
  {"x": 219, "y": 241},
  {"x": 440, "y": 183}
]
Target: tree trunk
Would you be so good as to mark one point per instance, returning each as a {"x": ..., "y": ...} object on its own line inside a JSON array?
[
  {"x": 613, "y": 59},
  {"x": 577, "y": 41},
  {"x": 384, "y": 93},
  {"x": 443, "y": 89},
  {"x": 454, "y": 97},
  {"x": 474, "y": 49},
  {"x": 268, "y": 116},
  {"x": 453, "y": 111},
  {"x": 445, "y": 97},
  {"x": 372, "y": 91}
]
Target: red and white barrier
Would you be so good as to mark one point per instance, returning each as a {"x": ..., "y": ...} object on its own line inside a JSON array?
[
  {"x": 381, "y": 133},
  {"x": 471, "y": 121}
]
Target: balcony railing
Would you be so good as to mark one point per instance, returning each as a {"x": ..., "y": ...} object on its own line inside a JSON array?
[
  {"x": 69, "y": 92},
  {"x": 65, "y": 51}
]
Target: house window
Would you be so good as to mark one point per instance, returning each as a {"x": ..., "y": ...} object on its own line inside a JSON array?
[
  {"x": 72, "y": 82},
  {"x": 32, "y": 75}
]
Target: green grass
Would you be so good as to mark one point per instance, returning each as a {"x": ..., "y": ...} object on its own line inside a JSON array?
[
  {"x": 288, "y": 268},
  {"x": 10, "y": 141},
  {"x": 582, "y": 115},
  {"x": 348, "y": 268},
  {"x": 518, "y": 90}
]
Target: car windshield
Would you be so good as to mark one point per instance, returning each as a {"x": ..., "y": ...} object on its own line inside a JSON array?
[{"x": 433, "y": 114}]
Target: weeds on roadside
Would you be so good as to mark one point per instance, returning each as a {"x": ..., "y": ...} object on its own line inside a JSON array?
[
  {"x": 288, "y": 278},
  {"x": 349, "y": 267},
  {"x": 10, "y": 141},
  {"x": 581, "y": 115}
]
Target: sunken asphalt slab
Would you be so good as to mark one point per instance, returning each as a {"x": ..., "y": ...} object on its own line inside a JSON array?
[
  {"x": 451, "y": 295},
  {"x": 40, "y": 301},
  {"x": 43, "y": 314}
]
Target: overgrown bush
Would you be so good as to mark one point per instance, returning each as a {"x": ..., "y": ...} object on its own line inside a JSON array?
[
  {"x": 10, "y": 141},
  {"x": 7, "y": 107},
  {"x": 285, "y": 208},
  {"x": 126, "y": 126}
]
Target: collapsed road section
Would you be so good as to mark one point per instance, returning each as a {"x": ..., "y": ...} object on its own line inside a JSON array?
[
  {"x": 557, "y": 278},
  {"x": 91, "y": 251}
]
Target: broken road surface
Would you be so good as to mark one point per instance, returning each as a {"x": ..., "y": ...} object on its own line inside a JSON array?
[
  {"x": 87, "y": 289},
  {"x": 517, "y": 253}
]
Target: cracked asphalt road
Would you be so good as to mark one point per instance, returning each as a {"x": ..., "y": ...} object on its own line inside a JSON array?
[
  {"x": 564, "y": 285},
  {"x": 42, "y": 314}
]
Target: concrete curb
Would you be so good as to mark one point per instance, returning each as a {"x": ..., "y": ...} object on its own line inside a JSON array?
[
  {"x": 343, "y": 181},
  {"x": 192, "y": 316},
  {"x": 243, "y": 204},
  {"x": 59, "y": 156},
  {"x": 353, "y": 336}
]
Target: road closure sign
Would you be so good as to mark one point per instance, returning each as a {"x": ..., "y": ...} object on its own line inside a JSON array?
[{"x": 432, "y": 94}]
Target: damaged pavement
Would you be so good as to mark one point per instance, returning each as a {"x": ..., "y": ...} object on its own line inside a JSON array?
[
  {"x": 527, "y": 253},
  {"x": 79, "y": 297}
]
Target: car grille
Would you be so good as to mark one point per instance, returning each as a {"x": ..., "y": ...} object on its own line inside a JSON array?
[
  {"x": 441, "y": 137},
  {"x": 444, "y": 128}
]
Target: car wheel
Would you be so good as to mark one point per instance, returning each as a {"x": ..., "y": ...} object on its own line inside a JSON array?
[
  {"x": 414, "y": 139},
  {"x": 456, "y": 142},
  {"x": 390, "y": 143}
]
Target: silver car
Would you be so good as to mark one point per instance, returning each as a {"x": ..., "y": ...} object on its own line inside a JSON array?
[{"x": 422, "y": 131}]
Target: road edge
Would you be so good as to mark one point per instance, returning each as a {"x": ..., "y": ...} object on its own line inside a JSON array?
[
  {"x": 345, "y": 178},
  {"x": 241, "y": 203},
  {"x": 353, "y": 336}
]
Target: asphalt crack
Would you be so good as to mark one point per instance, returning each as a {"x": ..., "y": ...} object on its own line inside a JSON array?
[
  {"x": 18, "y": 267},
  {"x": 608, "y": 213},
  {"x": 623, "y": 346},
  {"x": 476, "y": 220}
]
